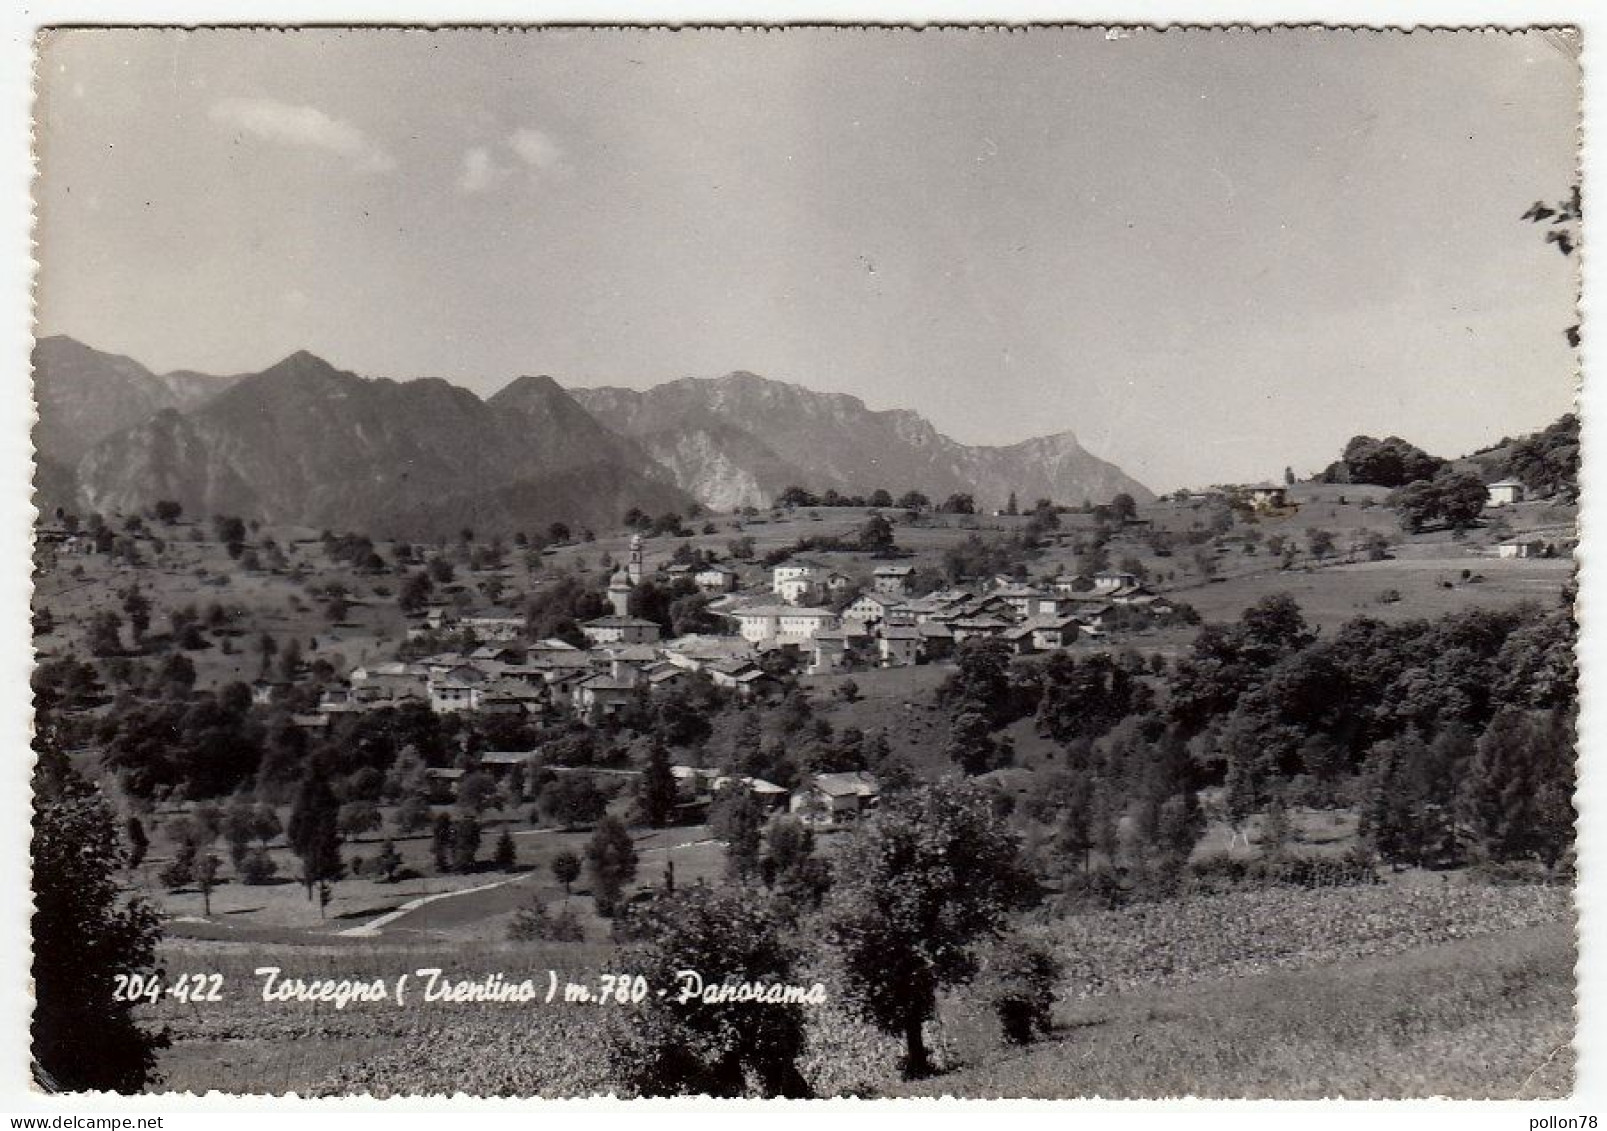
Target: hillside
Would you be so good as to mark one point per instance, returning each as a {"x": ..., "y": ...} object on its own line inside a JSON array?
[{"x": 745, "y": 438}]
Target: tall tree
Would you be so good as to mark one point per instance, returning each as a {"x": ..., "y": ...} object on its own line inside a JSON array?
[
  {"x": 657, "y": 796},
  {"x": 611, "y": 864},
  {"x": 314, "y": 832},
  {"x": 917, "y": 889},
  {"x": 86, "y": 931}
]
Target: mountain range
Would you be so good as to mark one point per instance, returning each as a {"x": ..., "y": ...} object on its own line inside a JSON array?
[{"x": 305, "y": 442}]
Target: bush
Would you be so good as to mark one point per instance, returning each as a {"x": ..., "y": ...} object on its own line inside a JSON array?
[
  {"x": 1022, "y": 983},
  {"x": 257, "y": 867},
  {"x": 536, "y": 923}
]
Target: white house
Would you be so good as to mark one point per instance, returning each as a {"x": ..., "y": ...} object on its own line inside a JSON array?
[
  {"x": 716, "y": 579},
  {"x": 1522, "y": 547},
  {"x": 801, "y": 582},
  {"x": 781, "y": 624},
  {"x": 1268, "y": 497},
  {"x": 873, "y": 608},
  {"x": 831, "y": 799},
  {"x": 1505, "y": 493}
]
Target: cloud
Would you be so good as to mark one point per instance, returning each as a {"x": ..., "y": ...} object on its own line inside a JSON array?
[
  {"x": 536, "y": 149},
  {"x": 305, "y": 126},
  {"x": 480, "y": 171}
]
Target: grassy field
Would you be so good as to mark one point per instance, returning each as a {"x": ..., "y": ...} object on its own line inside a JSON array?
[
  {"x": 1487, "y": 1018},
  {"x": 1425, "y": 986}
]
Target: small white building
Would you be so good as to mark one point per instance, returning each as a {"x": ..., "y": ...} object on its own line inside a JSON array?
[
  {"x": 1522, "y": 547},
  {"x": 1505, "y": 493}
]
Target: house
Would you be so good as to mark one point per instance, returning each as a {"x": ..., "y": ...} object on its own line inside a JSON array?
[
  {"x": 499, "y": 653},
  {"x": 501, "y": 763},
  {"x": 893, "y": 580},
  {"x": 937, "y": 640},
  {"x": 457, "y": 690},
  {"x": 781, "y": 624},
  {"x": 872, "y": 608},
  {"x": 314, "y": 722},
  {"x": 509, "y": 697},
  {"x": 899, "y": 646},
  {"x": 967, "y": 628},
  {"x": 1022, "y": 600},
  {"x": 1523, "y": 546},
  {"x": 832, "y": 799},
  {"x": 800, "y": 582},
  {"x": 716, "y": 579},
  {"x": 1108, "y": 581},
  {"x": 1050, "y": 632},
  {"x": 443, "y": 783},
  {"x": 744, "y": 677},
  {"x": 1267, "y": 497},
  {"x": 675, "y": 571},
  {"x": 796, "y": 580},
  {"x": 831, "y": 651},
  {"x": 1070, "y": 584},
  {"x": 608, "y": 693},
  {"x": 1506, "y": 492},
  {"x": 621, "y": 630},
  {"x": 495, "y": 623}
]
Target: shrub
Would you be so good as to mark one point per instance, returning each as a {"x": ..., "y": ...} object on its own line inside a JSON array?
[
  {"x": 1021, "y": 989},
  {"x": 536, "y": 923},
  {"x": 257, "y": 867}
]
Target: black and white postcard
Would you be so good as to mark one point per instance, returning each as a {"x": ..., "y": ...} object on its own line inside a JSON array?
[{"x": 805, "y": 562}]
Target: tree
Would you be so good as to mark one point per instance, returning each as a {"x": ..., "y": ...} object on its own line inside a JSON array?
[
  {"x": 314, "y": 832},
  {"x": 958, "y": 503},
  {"x": 357, "y": 818},
  {"x": 702, "y": 1045},
  {"x": 913, "y": 501},
  {"x": 934, "y": 874},
  {"x": 504, "y": 857},
  {"x": 656, "y": 795},
  {"x": 86, "y": 932},
  {"x": 257, "y": 867},
  {"x": 570, "y": 800},
  {"x": 876, "y": 536},
  {"x": 565, "y": 868},
  {"x": 1124, "y": 508},
  {"x": 138, "y": 842},
  {"x": 735, "y": 818},
  {"x": 105, "y": 635},
  {"x": 1452, "y": 498},
  {"x": 611, "y": 864},
  {"x": 388, "y": 862},
  {"x": 167, "y": 511},
  {"x": 206, "y": 877},
  {"x": 1516, "y": 796},
  {"x": 465, "y": 843}
]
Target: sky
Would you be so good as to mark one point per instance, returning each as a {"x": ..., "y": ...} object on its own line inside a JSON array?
[{"x": 1210, "y": 254}]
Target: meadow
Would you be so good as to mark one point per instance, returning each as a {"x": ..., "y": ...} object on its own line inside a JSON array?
[{"x": 1426, "y": 985}]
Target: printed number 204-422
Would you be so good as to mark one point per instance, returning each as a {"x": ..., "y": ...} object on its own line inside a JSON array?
[{"x": 186, "y": 988}]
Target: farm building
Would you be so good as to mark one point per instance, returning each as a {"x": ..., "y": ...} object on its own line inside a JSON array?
[
  {"x": 1522, "y": 547},
  {"x": 1505, "y": 493}
]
